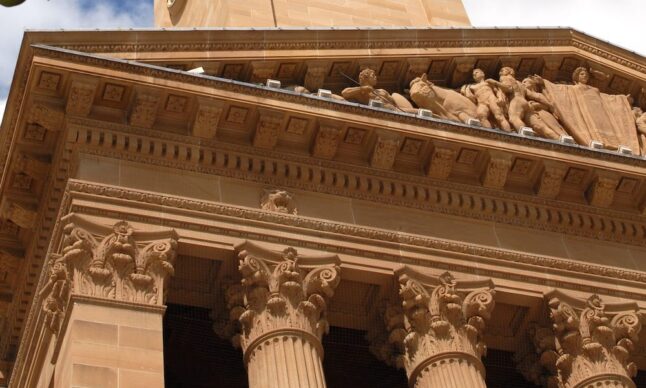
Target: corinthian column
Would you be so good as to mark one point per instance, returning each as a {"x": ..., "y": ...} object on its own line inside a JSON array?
[
  {"x": 436, "y": 332},
  {"x": 588, "y": 344},
  {"x": 281, "y": 306}
]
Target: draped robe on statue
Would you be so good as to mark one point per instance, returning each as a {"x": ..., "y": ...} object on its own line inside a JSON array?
[{"x": 588, "y": 115}]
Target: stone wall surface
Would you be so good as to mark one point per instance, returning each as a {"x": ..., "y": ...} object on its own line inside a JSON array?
[{"x": 310, "y": 13}]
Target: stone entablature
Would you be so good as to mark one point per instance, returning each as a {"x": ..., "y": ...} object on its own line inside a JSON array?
[{"x": 291, "y": 141}]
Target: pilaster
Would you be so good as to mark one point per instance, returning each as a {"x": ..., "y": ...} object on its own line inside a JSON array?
[
  {"x": 103, "y": 303},
  {"x": 278, "y": 313}
]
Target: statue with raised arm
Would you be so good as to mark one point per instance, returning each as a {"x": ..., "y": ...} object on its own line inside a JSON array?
[
  {"x": 588, "y": 114},
  {"x": 446, "y": 103},
  {"x": 541, "y": 115},
  {"x": 489, "y": 98},
  {"x": 367, "y": 91},
  {"x": 640, "y": 122}
]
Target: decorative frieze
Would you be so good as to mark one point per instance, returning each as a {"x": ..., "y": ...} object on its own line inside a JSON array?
[
  {"x": 551, "y": 179},
  {"x": 385, "y": 152},
  {"x": 587, "y": 345},
  {"x": 602, "y": 191},
  {"x": 495, "y": 174},
  {"x": 144, "y": 110},
  {"x": 80, "y": 98},
  {"x": 436, "y": 333},
  {"x": 326, "y": 142},
  {"x": 19, "y": 213},
  {"x": 207, "y": 119},
  {"x": 47, "y": 116},
  {"x": 441, "y": 163},
  {"x": 125, "y": 265},
  {"x": 261, "y": 71},
  {"x": 315, "y": 75},
  {"x": 268, "y": 129}
]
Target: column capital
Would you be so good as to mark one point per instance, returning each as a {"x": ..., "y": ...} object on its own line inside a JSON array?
[
  {"x": 588, "y": 341},
  {"x": 281, "y": 292},
  {"x": 439, "y": 317},
  {"x": 115, "y": 263}
]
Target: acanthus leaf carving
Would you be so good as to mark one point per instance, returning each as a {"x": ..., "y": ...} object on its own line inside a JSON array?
[
  {"x": 118, "y": 267},
  {"x": 436, "y": 316},
  {"x": 279, "y": 291},
  {"x": 585, "y": 344}
]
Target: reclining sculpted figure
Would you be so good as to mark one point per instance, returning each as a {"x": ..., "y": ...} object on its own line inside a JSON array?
[
  {"x": 366, "y": 91},
  {"x": 542, "y": 117},
  {"x": 446, "y": 103}
]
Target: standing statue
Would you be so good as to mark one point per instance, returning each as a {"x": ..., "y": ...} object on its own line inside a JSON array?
[
  {"x": 366, "y": 91},
  {"x": 588, "y": 114},
  {"x": 640, "y": 122},
  {"x": 490, "y": 100},
  {"x": 446, "y": 103},
  {"x": 541, "y": 116}
]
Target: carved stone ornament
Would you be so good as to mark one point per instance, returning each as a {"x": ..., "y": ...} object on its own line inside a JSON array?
[
  {"x": 281, "y": 291},
  {"x": 80, "y": 98},
  {"x": 440, "y": 320},
  {"x": 48, "y": 117},
  {"x": 120, "y": 266},
  {"x": 277, "y": 200},
  {"x": 278, "y": 313},
  {"x": 586, "y": 346}
]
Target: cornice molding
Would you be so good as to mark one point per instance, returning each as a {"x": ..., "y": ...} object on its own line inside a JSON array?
[
  {"x": 405, "y": 191},
  {"x": 256, "y": 91}
]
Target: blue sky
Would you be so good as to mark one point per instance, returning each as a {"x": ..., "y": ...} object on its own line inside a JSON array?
[{"x": 618, "y": 21}]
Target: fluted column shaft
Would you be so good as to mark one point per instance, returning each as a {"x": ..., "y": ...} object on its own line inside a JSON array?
[
  {"x": 449, "y": 371},
  {"x": 279, "y": 313},
  {"x": 285, "y": 360}
]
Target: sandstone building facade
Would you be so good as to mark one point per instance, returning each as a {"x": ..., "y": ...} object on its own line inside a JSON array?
[{"x": 269, "y": 205}]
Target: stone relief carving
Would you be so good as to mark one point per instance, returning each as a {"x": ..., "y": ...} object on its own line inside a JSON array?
[
  {"x": 435, "y": 317},
  {"x": 277, "y": 200},
  {"x": 551, "y": 110},
  {"x": 583, "y": 345},
  {"x": 120, "y": 266},
  {"x": 489, "y": 96},
  {"x": 590, "y": 115},
  {"x": 446, "y": 103},
  {"x": 640, "y": 122},
  {"x": 366, "y": 91}
]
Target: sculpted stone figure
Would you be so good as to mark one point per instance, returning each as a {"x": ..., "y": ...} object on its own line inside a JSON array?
[
  {"x": 640, "y": 121},
  {"x": 366, "y": 91},
  {"x": 489, "y": 97},
  {"x": 589, "y": 115},
  {"x": 526, "y": 103},
  {"x": 541, "y": 116},
  {"x": 446, "y": 103}
]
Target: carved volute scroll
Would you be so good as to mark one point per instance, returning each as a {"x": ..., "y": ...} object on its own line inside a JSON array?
[
  {"x": 281, "y": 292},
  {"x": 586, "y": 344},
  {"x": 125, "y": 265},
  {"x": 438, "y": 319}
]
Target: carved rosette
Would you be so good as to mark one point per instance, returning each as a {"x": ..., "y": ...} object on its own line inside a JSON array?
[
  {"x": 281, "y": 292},
  {"x": 119, "y": 267},
  {"x": 440, "y": 325},
  {"x": 586, "y": 346}
]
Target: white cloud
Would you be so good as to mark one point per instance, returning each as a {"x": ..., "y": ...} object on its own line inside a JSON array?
[
  {"x": 70, "y": 14},
  {"x": 620, "y": 22},
  {"x": 3, "y": 104}
]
